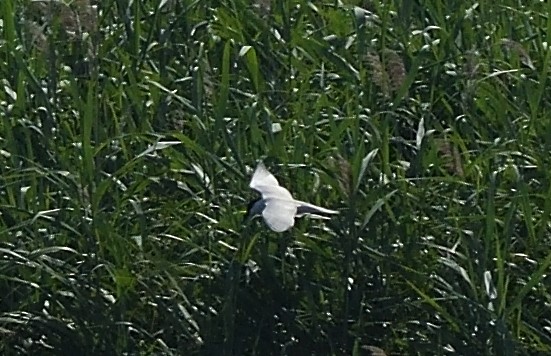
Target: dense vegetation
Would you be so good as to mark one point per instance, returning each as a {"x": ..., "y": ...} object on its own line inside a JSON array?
[{"x": 129, "y": 131}]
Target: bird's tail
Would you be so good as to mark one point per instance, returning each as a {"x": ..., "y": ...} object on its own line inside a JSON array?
[{"x": 307, "y": 208}]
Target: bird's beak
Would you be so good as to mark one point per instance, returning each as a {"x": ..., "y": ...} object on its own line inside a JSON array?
[{"x": 246, "y": 216}]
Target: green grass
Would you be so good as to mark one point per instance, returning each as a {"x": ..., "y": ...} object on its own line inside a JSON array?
[{"x": 128, "y": 134}]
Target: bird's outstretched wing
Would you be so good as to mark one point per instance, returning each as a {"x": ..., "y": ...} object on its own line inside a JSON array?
[
  {"x": 267, "y": 185},
  {"x": 279, "y": 214},
  {"x": 261, "y": 177}
]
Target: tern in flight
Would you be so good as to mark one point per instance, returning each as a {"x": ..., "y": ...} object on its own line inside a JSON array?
[{"x": 276, "y": 205}]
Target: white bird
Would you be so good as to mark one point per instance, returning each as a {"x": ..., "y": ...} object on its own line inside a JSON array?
[{"x": 277, "y": 206}]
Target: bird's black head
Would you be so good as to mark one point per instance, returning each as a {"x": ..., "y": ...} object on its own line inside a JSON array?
[{"x": 250, "y": 211}]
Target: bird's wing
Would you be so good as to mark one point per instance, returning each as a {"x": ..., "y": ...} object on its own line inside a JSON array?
[
  {"x": 267, "y": 185},
  {"x": 307, "y": 208},
  {"x": 261, "y": 177},
  {"x": 274, "y": 192},
  {"x": 279, "y": 214}
]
